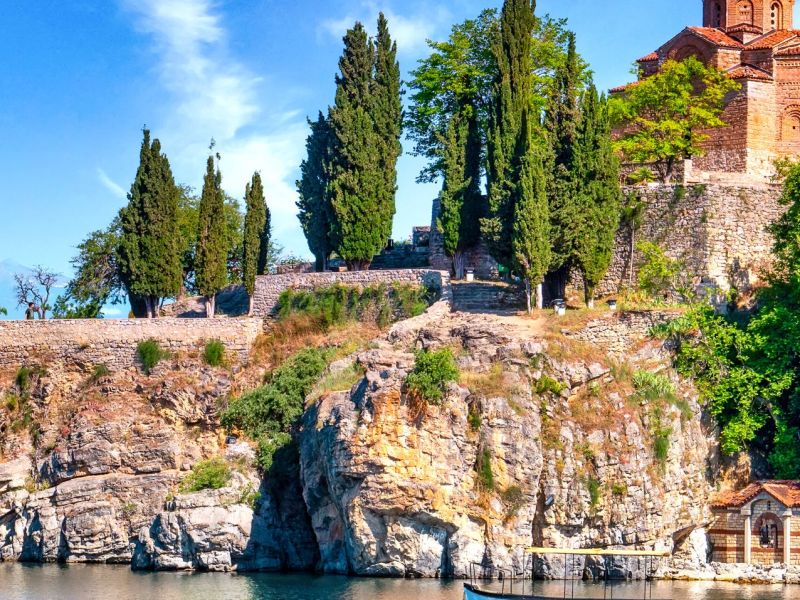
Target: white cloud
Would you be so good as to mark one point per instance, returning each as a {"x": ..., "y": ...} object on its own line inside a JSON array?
[
  {"x": 411, "y": 31},
  {"x": 111, "y": 185},
  {"x": 212, "y": 94}
]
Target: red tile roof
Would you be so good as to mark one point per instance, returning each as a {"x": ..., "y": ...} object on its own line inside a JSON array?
[
  {"x": 716, "y": 36},
  {"x": 622, "y": 88},
  {"x": 785, "y": 492},
  {"x": 649, "y": 58},
  {"x": 745, "y": 71},
  {"x": 791, "y": 51},
  {"x": 771, "y": 39}
]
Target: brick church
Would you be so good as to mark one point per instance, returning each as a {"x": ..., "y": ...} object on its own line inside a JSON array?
[{"x": 753, "y": 41}]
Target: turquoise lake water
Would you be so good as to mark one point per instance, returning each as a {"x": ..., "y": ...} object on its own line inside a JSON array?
[{"x": 51, "y": 582}]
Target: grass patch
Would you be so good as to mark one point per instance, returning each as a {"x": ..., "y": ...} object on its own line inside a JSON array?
[
  {"x": 339, "y": 381},
  {"x": 657, "y": 388},
  {"x": 594, "y": 488},
  {"x": 661, "y": 444},
  {"x": 431, "y": 374},
  {"x": 211, "y": 474},
  {"x": 547, "y": 384},
  {"x": 619, "y": 488},
  {"x": 484, "y": 470},
  {"x": 150, "y": 354},
  {"x": 489, "y": 384},
  {"x": 214, "y": 353},
  {"x": 98, "y": 372},
  {"x": 474, "y": 417}
]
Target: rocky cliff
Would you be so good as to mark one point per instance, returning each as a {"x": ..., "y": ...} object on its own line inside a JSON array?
[{"x": 543, "y": 440}]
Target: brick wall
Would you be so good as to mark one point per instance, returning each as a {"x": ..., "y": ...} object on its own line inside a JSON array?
[
  {"x": 87, "y": 342},
  {"x": 270, "y": 287}
]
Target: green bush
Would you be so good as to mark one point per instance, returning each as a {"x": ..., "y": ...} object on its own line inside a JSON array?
[
  {"x": 99, "y": 371},
  {"x": 211, "y": 474},
  {"x": 484, "y": 470},
  {"x": 659, "y": 274},
  {"x": 661, "y": 444},
  {"x": 269, "y": 413},
  {"x": 593, "y": 485},
  {"x": 338, "y": 304},
  {"x": 23, "y": 380},
  {"x": 431, "y": 374},
  {"x": 214, "y": 353},
  {"x": 150, "y": 354},
  {"x": 653, "y": 386},
  {"x": 548, "y": 384}
]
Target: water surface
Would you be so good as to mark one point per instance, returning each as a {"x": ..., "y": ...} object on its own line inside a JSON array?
[{"x": 90, "y": 582}]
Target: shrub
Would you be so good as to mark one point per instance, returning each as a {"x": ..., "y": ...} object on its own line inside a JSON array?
[
  {"x": 150, "y": 354},
  {"x": 658, "y": 275},
  {"x": 661, "y": 444},
  {"x": 268, "y": 413},
  {"x": 214, "y": 353},
  {"x": 211, "y": 474},
  {"x": 431, "y": 373},
  {"x": 474, "y": 418},
  {"x": 619, "y": 488},
  {"x": 548, "y": 384},
  {"x": 514, "y": 499},
  {"x": 339, "y": 381},
  {"x": 99, "y": 371},
  {"x": 593, "y": 485},
  {"x": 653, "y": 386},
  {"x": 23, "y": 380},
  {"x": 640, "y": 176},
  {"x": 484, "y": 470}
]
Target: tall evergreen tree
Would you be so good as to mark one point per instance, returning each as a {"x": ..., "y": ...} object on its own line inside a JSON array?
[
  {"x": 599, "y": 196},
  {"x": 254, "y": 220},
  {"x": 212, "y": 248},
  {"x": 266, "y": 249},
  {"x": 461, "y": 203},
  {"x": 313, "y": 189},
  {"x": 149, "y": 254},
  {"x": 562, "y": 118},
  {"x": 387, "y": 112},
  {"x": 507, "y": 142}
]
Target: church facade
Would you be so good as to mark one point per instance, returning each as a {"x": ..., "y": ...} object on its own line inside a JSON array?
[{"x": 754, "y": 43}]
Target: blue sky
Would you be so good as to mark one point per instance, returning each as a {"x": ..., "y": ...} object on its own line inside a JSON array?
[{"x": 81, "y": 78}]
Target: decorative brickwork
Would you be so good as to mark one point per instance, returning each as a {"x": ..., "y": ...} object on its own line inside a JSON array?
[
  {"x": 270, "y": 287},
  {"x": 87, "y": 342}
]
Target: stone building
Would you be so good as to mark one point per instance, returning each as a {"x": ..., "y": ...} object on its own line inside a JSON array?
[
  {"x": 753, "y": 41},
  {"x": 758, "y": 525}
]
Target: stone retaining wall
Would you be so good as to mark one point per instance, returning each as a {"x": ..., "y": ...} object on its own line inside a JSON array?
[
  {"x": 619, "y": 331},
  {"x": 87, "y": 342},
  {"x": 270, "y": 287}
]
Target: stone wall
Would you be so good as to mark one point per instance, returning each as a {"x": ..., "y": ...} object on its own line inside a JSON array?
[
  {"x": 476, "y": 258},
  {"x": 87, "y": 342},
  {"x": 619, "y": 331},
  {"x": 270, "y": 287},
  {"x": 718, "y": 231}
]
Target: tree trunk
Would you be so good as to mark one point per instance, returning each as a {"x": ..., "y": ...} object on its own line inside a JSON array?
[
  {"x": 459, "y": 264},
  {"x": 358, "y": 265},
  {"x": 211, "y": 306},
  {"x": 588, "y": 293},
  {"x": 630, "y": 258},
  {"x": 528, "y": 304},
  {"x": 540, "y": 296},
  {"x": 250, "y": 310},
  {"x": 138, "y": 306}
]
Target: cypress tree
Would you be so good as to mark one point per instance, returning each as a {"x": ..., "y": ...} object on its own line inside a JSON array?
[
  {"x": 212, "y": 252},
  {"x": 599, "y": 196},
  {"x": 149, "y": 253},
  {"x": 313, "y": 188},
  {"x": 507, "y": 142},
  {"x": 562, "y": 117},
  {"x": 265, "y": 244},
  {"x": 254, "y": 220},
  {"x": 461, "y": 203},
  {"x": 387, "y": 112}
]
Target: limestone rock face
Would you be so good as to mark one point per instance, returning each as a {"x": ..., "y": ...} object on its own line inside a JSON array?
[{"x": 396, "y": 487}]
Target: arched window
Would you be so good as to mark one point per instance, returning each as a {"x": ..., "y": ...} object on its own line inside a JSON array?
[
  {"x": 791, "y": 125},
  {"x": 745, "y": 10},
  {"x": 776, "y": 16},
  {"x": 716, "y": 15}
]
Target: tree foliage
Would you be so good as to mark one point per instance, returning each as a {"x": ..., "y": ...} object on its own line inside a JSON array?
[
  {"x": 667, "y": 116},
  {"x": 149, "y": 254},
  {"x": 255, "y": 221},
  {"x": 314, "y": 195},
  {"x": 212, "y": 248}
]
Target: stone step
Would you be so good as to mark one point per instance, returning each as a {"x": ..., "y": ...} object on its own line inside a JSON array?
[{"x": 479, "y": 295}]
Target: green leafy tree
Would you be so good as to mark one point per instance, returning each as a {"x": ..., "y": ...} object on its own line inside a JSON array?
[
  {"x": 461, "y": 203},
  {"x": 149, "y": 254},
  {"x": 598, "y": 193},
  {"x": 667, "y": 116},
  {"x": 562, "y": 119},
  {"x": 361, "y": 223},
  {"x": 254, "y": 222},
  {"x": 512, "y": 176},
  {"x": 212, "y": 239},
  {"x": 313, "y": 190},
  {"x": 96, "y": 281}
]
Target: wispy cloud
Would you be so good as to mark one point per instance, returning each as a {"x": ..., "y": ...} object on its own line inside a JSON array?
[
  {"x": 213, "y": 94},
  {"x": 111, "y": 185},
  {"x": 410, "y": 30}
]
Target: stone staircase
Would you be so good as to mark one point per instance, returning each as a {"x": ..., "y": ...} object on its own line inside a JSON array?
[{"x": 486, "y": 296}]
